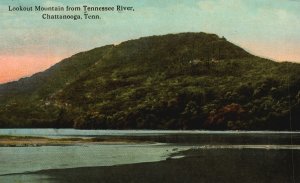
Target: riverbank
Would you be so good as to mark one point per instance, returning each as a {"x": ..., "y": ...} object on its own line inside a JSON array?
[
  {"x": 29, "y": 141},
  {"x": 39, "y": 137}
]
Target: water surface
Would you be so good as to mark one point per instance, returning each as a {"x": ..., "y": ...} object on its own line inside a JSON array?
[{"x": 166, "y": 143}]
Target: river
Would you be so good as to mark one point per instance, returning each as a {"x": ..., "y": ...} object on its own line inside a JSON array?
[{"x": 15, "y": 162}]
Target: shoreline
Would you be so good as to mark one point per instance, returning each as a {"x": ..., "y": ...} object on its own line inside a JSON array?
[
  {"x": 69, "y": 137},
  {"x": 30, "y": 141}
]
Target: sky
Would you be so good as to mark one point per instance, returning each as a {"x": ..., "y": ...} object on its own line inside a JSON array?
[{"x": 29, "y": 44}]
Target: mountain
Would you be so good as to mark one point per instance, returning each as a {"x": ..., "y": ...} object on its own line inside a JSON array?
[
  {"x": 44, "y": 83},
  {"x": 174, "y": 81}
]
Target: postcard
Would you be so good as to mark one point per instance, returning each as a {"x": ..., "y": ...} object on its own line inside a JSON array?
[{"x": 150, "y": 91}]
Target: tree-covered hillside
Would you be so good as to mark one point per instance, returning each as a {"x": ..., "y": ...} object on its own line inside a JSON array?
[{"x": 176, "y": 81}]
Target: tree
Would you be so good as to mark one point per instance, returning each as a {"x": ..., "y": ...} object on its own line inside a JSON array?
[{"x": 219, "y": 119}]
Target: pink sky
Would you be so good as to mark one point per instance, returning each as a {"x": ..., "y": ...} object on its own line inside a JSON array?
[
  {"x": 274, "y": 50},
  {"x": 14, "y": 67}
]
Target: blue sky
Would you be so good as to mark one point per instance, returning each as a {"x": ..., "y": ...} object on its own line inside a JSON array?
[{"x": 268, "y": 28}]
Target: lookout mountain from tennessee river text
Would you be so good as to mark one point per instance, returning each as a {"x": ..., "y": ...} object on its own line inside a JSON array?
[
  {"x": 72, "y": 13},
  {"x": 83, "y": 8}
]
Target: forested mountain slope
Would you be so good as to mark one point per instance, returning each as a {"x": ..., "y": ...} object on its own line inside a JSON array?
[{"x": 175, "y": 81}]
